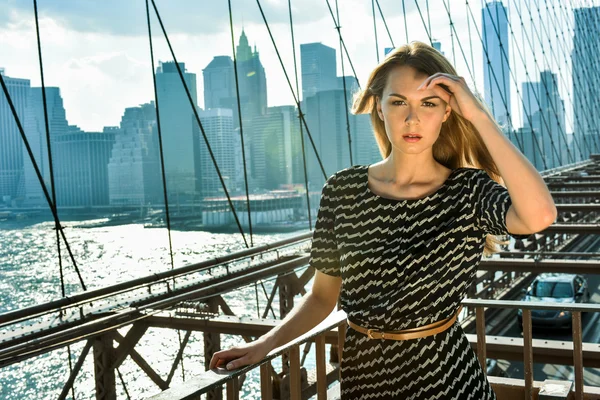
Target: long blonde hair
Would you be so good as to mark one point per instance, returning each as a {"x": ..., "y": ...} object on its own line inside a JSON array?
[{"x": 458, "y": 145}]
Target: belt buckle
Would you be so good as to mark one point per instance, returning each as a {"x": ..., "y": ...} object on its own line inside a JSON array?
[{"x": 371, "y": 331}]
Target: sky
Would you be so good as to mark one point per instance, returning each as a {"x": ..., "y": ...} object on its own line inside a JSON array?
[{"x": 97, "y": 52}]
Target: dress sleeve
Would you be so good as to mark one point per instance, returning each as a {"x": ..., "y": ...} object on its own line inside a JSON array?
[
  {"x": 324, "y": 254},
  {"x": 492, "y": 202}
]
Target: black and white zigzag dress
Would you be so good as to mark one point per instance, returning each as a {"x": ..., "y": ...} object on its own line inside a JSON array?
[{"x": 404, "y": 264}]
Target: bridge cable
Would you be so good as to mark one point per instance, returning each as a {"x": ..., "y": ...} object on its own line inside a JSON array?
[
  {"x": 308, "y": 209},
  {"x": 239, "y": 108},
  {"x": 162, "y": 162},
  {"x": 195, "y": 110}
]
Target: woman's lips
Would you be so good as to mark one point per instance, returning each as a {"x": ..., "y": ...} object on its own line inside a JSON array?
[{"x": 411, "y": 139}]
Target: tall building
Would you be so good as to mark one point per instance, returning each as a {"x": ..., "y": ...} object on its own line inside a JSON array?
[
  {"x": 544, "y": 116},
  {"x": 584, "y": 59},
  {"x": 252, "y": 80},
  {"x": 318, "y": 67},
  {"x": 276, "y": 143},
  {"x": 35, "y": 130},
  {"x": 437, "y": 45},
  {"x": 218, "y": 126},
  {"x": 81, "y": 166},
  {"x": 219, "y": 84},
  {"x": 134, "y": 166},
  {"x": 326, "y": 119},
  {"x": 12, "y": 185},
  {"x": 496, "y": 71},
  {"x": 179, "y": 130}
]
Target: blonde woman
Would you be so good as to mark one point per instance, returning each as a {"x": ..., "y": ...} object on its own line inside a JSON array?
[{"x": 399, "y": 241}]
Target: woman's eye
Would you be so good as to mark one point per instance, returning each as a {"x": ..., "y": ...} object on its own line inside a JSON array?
[
  {"x": 429, "y": 104},
  {"x": 397, "y": 102}
]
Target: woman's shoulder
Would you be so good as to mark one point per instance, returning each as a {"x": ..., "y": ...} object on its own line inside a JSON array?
[{"x": 348, "y": 174}]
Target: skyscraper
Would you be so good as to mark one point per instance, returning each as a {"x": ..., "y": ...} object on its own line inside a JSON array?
[
  {"x": 318, "y": 67},
  {"x": 134, "y": 166},
  {"x": 585, "y": 58},
  {"x": 218, "y": 126},
  {"x": 11, "y": 144},
  {"x": 35, "y": 130},
  {"x": 326, "y": 119},
  {"x": 81, "y": 166},
  {"x": 496, "y": 70},
  {"x": 252, "y": 80},
  {"x": 544, "y": 118},
  {"x": 178, "y": 126},
  {"x": 219, "y": 84},
  {"x": 277, "y": 148}
]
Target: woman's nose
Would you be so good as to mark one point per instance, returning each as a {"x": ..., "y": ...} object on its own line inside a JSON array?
[{"x": 412, "y": 116}]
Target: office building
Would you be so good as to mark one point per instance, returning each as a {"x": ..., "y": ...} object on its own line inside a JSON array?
[
  {"x": 496, "y": 70},
  {"x": 134, "y": 174},
  {"x": 179, "y": 130}
]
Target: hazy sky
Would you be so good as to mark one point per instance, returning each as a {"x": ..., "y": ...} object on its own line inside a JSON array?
[{"x": 97, "y": 52}]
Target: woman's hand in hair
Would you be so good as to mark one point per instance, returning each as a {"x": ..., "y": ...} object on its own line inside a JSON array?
[{"x": 454, "y": 91}]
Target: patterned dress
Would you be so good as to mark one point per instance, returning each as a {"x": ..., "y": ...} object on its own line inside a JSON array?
[{"x": 405, "y": 264}]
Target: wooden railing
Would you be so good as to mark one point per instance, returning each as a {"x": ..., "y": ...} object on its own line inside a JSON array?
[{"x": 215, "y": 378}]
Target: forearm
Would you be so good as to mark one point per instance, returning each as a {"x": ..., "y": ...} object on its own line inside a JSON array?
[
  {"x": 530, "y": 196},
  {"x": 304, "y": 316}
]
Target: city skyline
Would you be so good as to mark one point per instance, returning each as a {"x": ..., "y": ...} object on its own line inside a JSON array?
[
  {"x": 186, "y": 155},
  {"x": 113, "y": 61}
]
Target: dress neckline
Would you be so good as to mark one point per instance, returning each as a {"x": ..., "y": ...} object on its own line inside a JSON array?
[{"x": 387, "y": 199}]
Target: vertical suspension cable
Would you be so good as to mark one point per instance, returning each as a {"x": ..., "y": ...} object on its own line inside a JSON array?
[
  {"x": 452, "y": 36},
  {"x": 197, "y": 117},
  {"x": 405, "y": 25},
  {"x": 428, "y": 18},
  {"x": 49, "y": 146},
  {"x": 375, "y": 31},
  {"x": 162, "y": 161},
  {"x": 424, "y": 24},
  {"x": 51, "y": 201},
  {"x": 571, "y": 32},
  {"x": 51, "y": 170},
  {"x": 385, "y": 24},
  {"x": 338, "y": 28},
  {"x": 470, "y": 42},
  {"x": 239, "y": 107},
  {"x": 298, "y": 106},
  {"x": 524, "y": 35},
  {"x": 287, "y": 78}
]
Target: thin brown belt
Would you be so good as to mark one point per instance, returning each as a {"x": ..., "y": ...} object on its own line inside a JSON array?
[{"x": 412, "y": 333}]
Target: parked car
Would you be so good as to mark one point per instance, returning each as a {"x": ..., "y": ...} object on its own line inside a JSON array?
[
  {"x": 493, "y": 369},
  {"x": 555, "y": 288}
]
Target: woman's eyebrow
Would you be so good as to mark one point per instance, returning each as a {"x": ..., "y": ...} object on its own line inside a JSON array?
[{"x": 423, "y": 99}]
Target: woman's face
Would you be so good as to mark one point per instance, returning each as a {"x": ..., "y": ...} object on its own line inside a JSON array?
[{"x": 406, "y": 110}]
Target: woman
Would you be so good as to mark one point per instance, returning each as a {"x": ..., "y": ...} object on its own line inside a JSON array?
[{"x": 400, "y": 240}]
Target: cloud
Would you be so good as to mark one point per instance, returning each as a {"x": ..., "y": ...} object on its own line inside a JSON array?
[{"x": 128, "y": 18}]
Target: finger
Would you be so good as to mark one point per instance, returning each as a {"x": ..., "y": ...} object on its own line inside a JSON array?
[
  {"x": 427, "y": 81},
  {"x": 221, "y": 357},
  {"x": 449, "y": 82},
  {"x": 240, "y": 362},
  {"x": 443, "y": 93}
]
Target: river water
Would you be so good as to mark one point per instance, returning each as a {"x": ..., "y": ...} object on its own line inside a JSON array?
[{"x": 29, "y": 275}]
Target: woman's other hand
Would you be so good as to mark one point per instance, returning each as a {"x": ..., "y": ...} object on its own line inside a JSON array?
[
  {"x": 239, "y": 356},
  {"x": 454, "y": 91}
]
